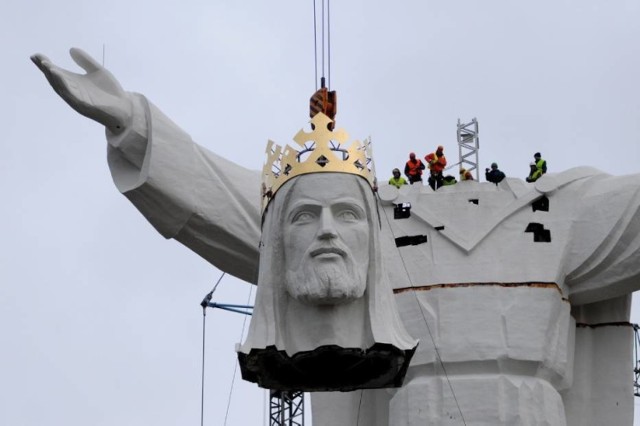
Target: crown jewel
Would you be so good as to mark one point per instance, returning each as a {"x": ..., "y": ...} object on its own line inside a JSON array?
[{"x": 320, "y": 151}]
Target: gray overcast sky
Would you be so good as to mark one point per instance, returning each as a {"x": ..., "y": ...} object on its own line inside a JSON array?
[{"x": 99, "y": 315}]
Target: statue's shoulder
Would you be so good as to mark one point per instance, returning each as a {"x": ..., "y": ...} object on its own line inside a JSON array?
[{"x": 552, "y": 181}]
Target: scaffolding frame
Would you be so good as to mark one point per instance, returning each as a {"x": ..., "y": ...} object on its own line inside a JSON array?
[
  {"x": 286, "y": 408},
  {"x": 468, "y": 146}
]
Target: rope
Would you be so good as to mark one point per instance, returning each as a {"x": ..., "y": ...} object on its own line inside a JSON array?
[
  {"x": 204, "y": 303},
  {"x": 322, "y": 38},
  {"x": 315, "y": 44},
  {"x": 204, "y": 316},
  {"x": 235, "y": 369},
  {"x": 325, "y": 46},
  {"x": 328, "y": 44},
  {"x": 359, "y": 405},
  {"x": 453, "y": 165},
  {"x": 435, "y": 347}
]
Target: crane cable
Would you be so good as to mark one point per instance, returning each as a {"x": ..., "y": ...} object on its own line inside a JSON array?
[
  {"x": 325, "y": 33},
  {"x": 435, "y": 347},
  {"x": 204, "y": 305},
  {"x": 359, "y": 406},
  {"x": 315, "y": 45},
  {"x": 328, "y": 43},
  {"x": 235, "y": 368}
]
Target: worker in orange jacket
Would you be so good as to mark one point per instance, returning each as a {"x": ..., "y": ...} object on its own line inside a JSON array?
[
  {"x": 437, "y": 162},
  {"x": 413, "y": 169}
]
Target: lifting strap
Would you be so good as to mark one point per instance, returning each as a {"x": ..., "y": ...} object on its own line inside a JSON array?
[{"x": 325, "y": 102}]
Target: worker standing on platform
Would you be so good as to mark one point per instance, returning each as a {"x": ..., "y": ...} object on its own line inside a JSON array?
[
  {"x": 397, "y": 180},
  {"x": 437, "y": 162},
  {"x": 494, "y": 175},
  {"x": 413, "y": 169},
  {"x": 538, "y": 168}
]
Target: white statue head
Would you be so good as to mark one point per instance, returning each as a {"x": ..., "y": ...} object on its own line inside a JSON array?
[
  {"x": 324, "y": 303},
  {"x": 325, "y": 224}
]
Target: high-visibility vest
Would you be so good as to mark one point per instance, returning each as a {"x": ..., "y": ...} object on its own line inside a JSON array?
[
  {"x": 436, "y": 164},
  {"x": 397, "y": 182},
  {"x": 415, "y": 168},
  {"x": 539, "y": 170}
]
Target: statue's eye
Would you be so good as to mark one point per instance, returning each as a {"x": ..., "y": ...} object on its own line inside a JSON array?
[
  {"x": 303, "y": 216},
  {"x": 348, "y": 215}
]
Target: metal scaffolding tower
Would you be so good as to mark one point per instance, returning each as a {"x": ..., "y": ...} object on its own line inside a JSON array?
[
  {"x": 286, "y": 408},
  {"x": 468, "y": 146}
]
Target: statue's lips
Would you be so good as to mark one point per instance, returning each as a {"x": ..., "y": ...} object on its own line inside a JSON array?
[{"x": 327, "y": 252}]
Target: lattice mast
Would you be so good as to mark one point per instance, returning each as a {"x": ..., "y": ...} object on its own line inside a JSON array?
[
  {"x": 286, "y": 408},
  {"x": 468, "y": 146}
]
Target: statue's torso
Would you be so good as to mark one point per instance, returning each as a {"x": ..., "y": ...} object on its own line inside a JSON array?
[{"x": 485, "y": 295}]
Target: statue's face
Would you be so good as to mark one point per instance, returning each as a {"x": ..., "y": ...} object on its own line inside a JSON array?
[{"x": 326, "y": 240}]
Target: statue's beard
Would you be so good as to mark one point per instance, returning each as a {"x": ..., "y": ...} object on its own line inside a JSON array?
[{"x": 333, "y": 281}]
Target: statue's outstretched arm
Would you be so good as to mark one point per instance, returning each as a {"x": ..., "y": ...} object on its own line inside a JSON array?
[
  {"x": 96, "y": 94},
  {"x": 604, "y": 260},
  {"x": 209, "y": 204}
]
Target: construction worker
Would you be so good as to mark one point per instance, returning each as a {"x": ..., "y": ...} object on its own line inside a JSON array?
[
  {"x": 413, "y": 169},
  {"x": 465, "y": 174},
  {"x": 397, "y": 180},
  {"x": 437, "y": 162},
  {"x": 538, "y": 168},
  {"x": 494, "y": 175}
]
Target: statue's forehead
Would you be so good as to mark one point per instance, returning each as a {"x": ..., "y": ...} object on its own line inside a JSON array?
[{"x": 326, "y": 188}]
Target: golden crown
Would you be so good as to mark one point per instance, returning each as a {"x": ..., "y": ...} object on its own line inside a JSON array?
[{"x": 321, "y": 151}]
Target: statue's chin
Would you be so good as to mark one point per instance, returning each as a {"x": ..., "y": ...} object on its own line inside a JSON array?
[{"x": 325, "y": 284}]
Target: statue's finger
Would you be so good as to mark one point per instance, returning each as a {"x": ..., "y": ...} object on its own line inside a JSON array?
[
  {"x": 41, "y": 62},
  {"x": 47, "y": 68},
  {"x": 85, "y": 61}
]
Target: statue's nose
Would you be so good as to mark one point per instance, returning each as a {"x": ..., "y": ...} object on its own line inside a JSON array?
[{"x": 327, "y": 225}]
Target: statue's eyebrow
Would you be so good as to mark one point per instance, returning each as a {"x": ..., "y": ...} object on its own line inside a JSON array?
[
  {"x": 313, "y": 204},
  {"x": 307, "y": 201},
  {"x": 350, "y": 203},
  {"x": 310, "y": 201},
  {"x": 301, "y": 204}
]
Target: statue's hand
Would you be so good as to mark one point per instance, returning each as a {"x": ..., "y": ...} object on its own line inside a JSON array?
[{"x": 96, "y": 94}]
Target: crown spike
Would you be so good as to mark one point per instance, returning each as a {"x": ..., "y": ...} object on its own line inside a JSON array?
[{"x": 326, "y": 153}]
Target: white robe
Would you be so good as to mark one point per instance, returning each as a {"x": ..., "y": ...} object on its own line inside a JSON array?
[{"x": 500, "y": 308}]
